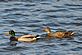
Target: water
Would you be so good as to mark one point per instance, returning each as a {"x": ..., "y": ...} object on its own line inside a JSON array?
[{"x": 31, "y": 16}]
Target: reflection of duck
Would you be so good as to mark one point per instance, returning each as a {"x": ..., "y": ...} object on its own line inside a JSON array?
[
  {"x": 24, "y": 38},
  {"x": 58, "y": 34}
]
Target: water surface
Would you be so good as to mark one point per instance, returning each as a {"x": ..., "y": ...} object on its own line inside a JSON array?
[{"x": 31, "y": 16}]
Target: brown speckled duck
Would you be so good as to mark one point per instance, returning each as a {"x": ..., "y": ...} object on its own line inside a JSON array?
[{"x": 58, "y": 34}]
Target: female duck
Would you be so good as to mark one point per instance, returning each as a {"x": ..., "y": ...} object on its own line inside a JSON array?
[
  {"x": 58, "y": 34},
  {"x": 25, "y": 38}
]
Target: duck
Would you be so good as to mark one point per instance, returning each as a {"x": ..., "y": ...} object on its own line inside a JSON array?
[
  {"x": 23, "y": 38},
  {"x": 58, "y": 34}
]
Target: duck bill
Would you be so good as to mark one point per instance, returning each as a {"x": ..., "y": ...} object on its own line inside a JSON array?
[
  {"x": 43, "y": 30},
  {"x": 6, "y": 33}
]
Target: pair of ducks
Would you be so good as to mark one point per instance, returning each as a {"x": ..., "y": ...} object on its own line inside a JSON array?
[{"x": 31, "y": 38}]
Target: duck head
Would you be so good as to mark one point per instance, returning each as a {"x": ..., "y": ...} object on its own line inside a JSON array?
[
  {"x": 47, "y": 29},
  {"x": 12, "y": 38},
  {"x": 12, "y": 32}
]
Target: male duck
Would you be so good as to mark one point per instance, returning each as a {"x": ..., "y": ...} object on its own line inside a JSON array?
[
  {"x": 58, "y": 34},
  {"x": 24, "y": 38}
]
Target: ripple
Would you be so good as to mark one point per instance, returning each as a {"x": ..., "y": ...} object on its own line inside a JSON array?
[
  {"x": 45, "y": 3},
  {"x": 77, "y": 24},
  {"x": 15, "y": 48},
  {"x": 14, "y": 9},
  {"x": 78, "y": 19},
  {"x": 33, "y": 25},
  {"x": 48, "y": 46},
  {"x": 60, "y": 10},
  {"x": 51, "y": 24},
  {"x": 73, "y": 4},
  {"x": 75, "y": 8},
  {"x": 77, "y": 49},
  {"x": 64, "y": 44},
  {"x": 80, "y": 42},
  {"x": 21, "y": 14},
  {"x": 30, "y": 5},
  {"x": 58, "y": 6}
]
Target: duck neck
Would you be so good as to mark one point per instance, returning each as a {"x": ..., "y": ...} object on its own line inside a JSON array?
[
  {"x": 13, "y": 34},
  {"x": 13, "y": 41},
  {"x": 49, "y": 33},
  {"x": 12, "y": 38}
]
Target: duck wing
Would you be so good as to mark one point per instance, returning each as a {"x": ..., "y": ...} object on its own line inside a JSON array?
[
  {"x": 58, "y": 34},
  {"x": 27, "y": 36},
  {"x": 26, "y": 39}
]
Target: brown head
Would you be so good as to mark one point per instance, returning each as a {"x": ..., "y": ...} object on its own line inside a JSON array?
[{"x": 47, "y": 29}]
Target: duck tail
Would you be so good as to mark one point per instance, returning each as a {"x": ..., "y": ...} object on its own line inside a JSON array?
[
  {"x": 72, "y": 33},
  {"x": 37, "y": 36}
]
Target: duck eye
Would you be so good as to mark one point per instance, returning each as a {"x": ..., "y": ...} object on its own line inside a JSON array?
[{"x": 11, "y": 32}]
